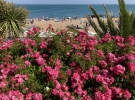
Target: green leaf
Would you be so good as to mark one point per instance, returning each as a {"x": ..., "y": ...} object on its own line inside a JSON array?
[{"x": 23, "y": 91}]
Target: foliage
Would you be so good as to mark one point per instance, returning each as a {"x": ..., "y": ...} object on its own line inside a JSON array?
[
  {"x": 12, "y": 19},
  {"x": 125, "y": 25}
]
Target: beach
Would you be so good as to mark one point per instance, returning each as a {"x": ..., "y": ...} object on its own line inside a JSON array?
[
  {"x": 60, "y": 11},
  {"x": 43, "y": 24},
  {"x": 81, "y": 23}
]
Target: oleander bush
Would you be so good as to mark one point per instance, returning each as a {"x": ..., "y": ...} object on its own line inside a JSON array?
[{"x": 67, "y": 67}]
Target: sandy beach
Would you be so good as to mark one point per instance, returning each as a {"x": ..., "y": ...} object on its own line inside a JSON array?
[{"x": 43, "y": 24}]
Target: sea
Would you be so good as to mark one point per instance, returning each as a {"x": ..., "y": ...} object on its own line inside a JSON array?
[{"x": 60, "y": 11}]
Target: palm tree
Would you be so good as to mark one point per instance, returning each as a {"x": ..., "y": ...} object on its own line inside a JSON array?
[
  {"x": 12, "y": 19},
  {"x": 126, "y": 25}
]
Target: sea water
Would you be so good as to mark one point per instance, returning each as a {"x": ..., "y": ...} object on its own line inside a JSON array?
[{"x": 60, "y": 11}]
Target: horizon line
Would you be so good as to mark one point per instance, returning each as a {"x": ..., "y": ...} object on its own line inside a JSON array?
[{"x": 66, "y": 4}]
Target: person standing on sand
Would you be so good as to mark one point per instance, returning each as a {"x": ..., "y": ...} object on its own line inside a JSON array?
[
  {"x": 80, "y": 22},
  {"x": 43, "y": 30},
  {"x": 43, "y": 18}
]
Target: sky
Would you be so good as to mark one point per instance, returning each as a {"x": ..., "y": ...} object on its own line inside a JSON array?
[{"x": 69, "y": 1}]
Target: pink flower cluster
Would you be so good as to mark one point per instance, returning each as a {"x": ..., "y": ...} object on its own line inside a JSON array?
[
  {"x": 28, "y": 42},
  {"x": 112, "y": 92},
  {"x": 19, "y": 79},
  {"x": 43, "y": 45},
  {"x": 61, "y": 90},
  {"x": 33, "y": 32},
  {"x": 84, "y": 68},
  {"x": 105, "y": 78},
  {"x": 5, "y": 45},
  {"x": 17, "y": 95},
  {"x": 53, "y": 73}
]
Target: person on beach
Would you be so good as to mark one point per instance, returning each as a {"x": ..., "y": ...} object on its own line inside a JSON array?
[
  {"x": 43, "y": 30},
  {"x": 80, "y": 22},
  {"x": 32, "y": 21},
  {"x": 43, "y": 17}
]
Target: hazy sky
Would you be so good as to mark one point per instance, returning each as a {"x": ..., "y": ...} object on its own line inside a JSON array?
[{"x": 70, "y": 1}]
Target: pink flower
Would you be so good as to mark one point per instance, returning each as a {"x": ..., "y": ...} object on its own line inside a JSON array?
[
  {"x": 76, "y": 77},
  {"x": 103, "y": 64},
  {"x": 99, "y": 96},
  {"x": 8, "y": 57},
  {"x": 19, "y": 79},
  {"x": 40, "y": 61},
  {"x": 28, "y": 42},
  {"x": 35, "y": 29},
  {"x": 6, "y": 44},
  {"x": 121, "y": 45},
  {"x": 52, "y": 73},
  {"x": 36, "y": 55},
  {"x": 108, "y": 94},
  {"x": 29, "y": 49},
  {"x": 121, "y": 59},
  {"x": 4, "y": 97},
  {"x": 90, "y": 73},
  {"x": 29, "y": 32},
  {"x": 76, "y": 80},
  {"x": 61, "y": 94},
  {"x": 58, "y": 33},
  {"x": 72, "y": 64},
  {"x": 79, "y": 54},
  {"x": 64, "y": 87},
  {"x": 131, "y": 66},
  {"x": 119, "y": 69},
  {"x": 100, "y": 53},
  {"x": 37, "y": 96},
  {"x": 130, "y": 56},
  {"x": 96, "y": 69},
  {"x": 67, "y": 94},
  {"x": 58, "y": 64},
  {"x": 68, "y": 53},
  {"x": 45, "y": 55},
  {"x": 127, "y": 94},
  {"x": 80, "y": 92},
  {"x": 29, "y": 96},
  {"x": 27, "y": 63},
  {"x": 111, "y": 58},
  {"x": 72, "y": 98},
  {"x": 106, "y": 38},
  {"x": 43, "y": 45},
  {"x": 119, "y": 39},
  {"x": 2, "y": 84},
  {"x": 85, "y": 76},
  {"x": 82, "y": 32},
  {"x": 87, "y": 98},
  {"x": 69, "y": 72},
  {"x": 99, "y": 78},
  {"x": 15, "y": 95},
  {"x": 131, "y": 40},
  {"x": 117, "y": 92},
  {"x": 105, "y": 78},
  {"x": 32, "y": 42}
]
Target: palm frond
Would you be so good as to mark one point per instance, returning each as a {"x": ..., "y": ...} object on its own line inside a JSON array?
[
  {"x": 124, "y": 19},
  {"x": 12, "y": 19},
  {"x": 112, "y": 28},
  {"x": 101, "y": 23},
  {"x": 95, "y": 27},
  {"x": 132, "y": 19},
  {"x": 71, "y": 28}
]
